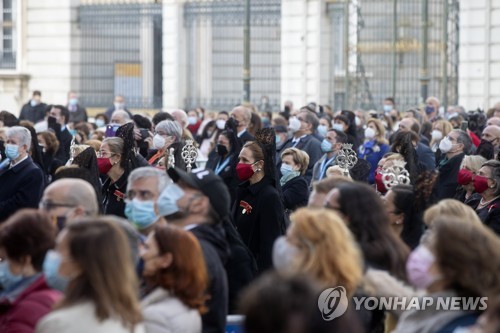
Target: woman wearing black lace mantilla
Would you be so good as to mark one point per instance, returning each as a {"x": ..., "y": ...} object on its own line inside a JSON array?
[{"x": 258, "y": 211}]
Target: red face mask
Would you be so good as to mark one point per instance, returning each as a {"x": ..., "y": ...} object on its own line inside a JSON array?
[
  {"x": 464, "y": 177},
  {"x": 480, "y": 184},
  {"x": 104, "y": 165},
  {"x": 244, "y": 171},
  {"x": 378, "y": 181}
]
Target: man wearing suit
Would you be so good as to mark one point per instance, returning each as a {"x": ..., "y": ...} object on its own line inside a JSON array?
[
  {"x": 302, "y": 127},
  {"x": 21, "y": 180},
  {"x": 61, "y": 115},
  {"x": 331, "y": 145},
  {"x": 243, "y": 115}
]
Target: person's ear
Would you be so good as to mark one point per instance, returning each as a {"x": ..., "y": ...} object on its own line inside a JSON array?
[
  {"x": 199, "y": 205},
  {"x": 259, "y": 166},
  {"x": 165, "y": 260}
]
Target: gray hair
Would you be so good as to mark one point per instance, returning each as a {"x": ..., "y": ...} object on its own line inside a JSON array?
[
  {"x": 464, "y": 138},
  {"x": 21, "y": 133},
  {"x": 494, "y": 165},
  {"x": 171, "y": 128},
  {"x": 147, "y": 172},
  {"x": 122, "y": 114}
]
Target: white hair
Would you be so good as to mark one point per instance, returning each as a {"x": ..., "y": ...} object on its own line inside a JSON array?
[
  {"x": 182, "y": 114},
  {"x": 21, "y": 133},
  {"x": 162, "y": 178},
  {"x": 122, "y": 114},
  {"x": 171, "y": 128}
]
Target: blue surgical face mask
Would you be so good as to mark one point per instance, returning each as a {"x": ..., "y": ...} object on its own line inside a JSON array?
[
  {"x": 99, "y": 123},
  {"x": 167, "y": 201},
  {"x": 326, "y": 146},
  {"x": 387, "y": 108},
  {"x": 322, "y": 130},
  {"x": 286, "y": 169},
  {"x": 73, "y": 101},
  {"x": 7, "y": 279},
  {"x": 429, "y": 109},
  {"x": 73, "y": 131},
  {"x": 338, "y": 127},
  {"x": 141, "y": 213},
  {"x": 278, "y": 139},
  {"x": 34, "y": 103},
  {"x": 11, "y": 151},
  {"x": 51, "y": 266}
]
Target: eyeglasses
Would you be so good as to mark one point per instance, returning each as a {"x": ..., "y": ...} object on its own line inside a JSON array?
[
  {"x": 49, "y": 205},
  {"x": 104, "y": 154}
]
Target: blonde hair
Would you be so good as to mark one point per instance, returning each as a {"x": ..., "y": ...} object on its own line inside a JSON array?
[
  {"x": 337, "y": 171},
  {"x": 473, "y": 162},
  {"x": 444, "y": 126},
  {"x": 450, "y": 208},
  {"x": 380, "y": 128},
  {"x": 299, "y": 157},
  {"x": 328, "y": 251}
]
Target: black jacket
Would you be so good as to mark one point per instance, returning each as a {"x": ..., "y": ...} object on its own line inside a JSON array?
[
  {"x": 77, "y": 113},
  {"x": 216, "y": 252},
  {"x": 64, "y": 138},
  {"x": 33, "y": 114},
  {"x": 258, "y": 214},
  {"x": 295, "y": 193},
  {"x": 21, "y": 187},
  {"x": 490, "y": 215},
  {"x": 446, "y": 184},
  {"x": 245, "y": 137},
  {"x": 113, "y": 196}
]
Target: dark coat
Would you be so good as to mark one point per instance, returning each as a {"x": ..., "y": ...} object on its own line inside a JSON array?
[
  {"x": 22, "y": 314},
  {"x": 77, "y": 114},
  {"x": 245, "y": 137},
  {"x": 21, "y": 187},
  {"x": 316, "y": 174},
  {"x": 311, "y": 146},
  {"x": 262, "y": 220},
  {"x": 65, "y": 138},
  {"x": 426, "y": 156},
  {"x": 295, "y": 193},
  {"x": 228, "y": 173},
  {"x": 113, "y": 196},
  {"x": 446, "y": 184},
  {"x": 490, "y": 215},
  {"x": 373, "y": 151},
  {"x": 33, "y": 114},
  {"x": 216, "y": 252}
]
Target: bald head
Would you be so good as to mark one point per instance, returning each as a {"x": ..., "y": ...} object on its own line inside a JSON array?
[
  {"x": 242, "y": 115},
  {"x": 70, "y": 197},
  {"x": 492, "y": 134},
  {"x": 493, "y": 121},
  {"x": 180, "y": 116}
]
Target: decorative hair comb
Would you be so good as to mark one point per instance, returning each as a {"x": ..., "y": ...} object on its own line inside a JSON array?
[
  {"x": 395, "y": 175},
  {"x": 347, "y": 158}
]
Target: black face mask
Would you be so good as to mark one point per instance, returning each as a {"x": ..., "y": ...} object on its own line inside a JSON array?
[
  {"x": 2, "y": 149},
  {"x": 221, "y": 150}
]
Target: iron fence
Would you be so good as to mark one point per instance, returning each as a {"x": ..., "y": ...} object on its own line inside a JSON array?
[
  {"x": 375, "y": 52},
  {"x": 214, "y": 32},
  {"x": 121, "y": 54}
]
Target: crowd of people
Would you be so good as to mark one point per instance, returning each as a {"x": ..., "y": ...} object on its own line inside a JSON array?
[{"x": 107, "y": 224}]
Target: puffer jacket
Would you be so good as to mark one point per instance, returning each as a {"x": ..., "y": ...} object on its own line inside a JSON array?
[{"x": 165, "y": 313}]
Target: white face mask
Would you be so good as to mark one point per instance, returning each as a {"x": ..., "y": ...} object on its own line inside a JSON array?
[
  {"x": 294, "y": 125},
  {"x": 283, "y": 254},
  {"x": 192, "y": 120},
  {"x": 369, "y": 133},
  {"x": 437, "y": 135},
  {"x": 357, "y": 121},
  {"x": 220, "y": 123},
  {"x": 445, "y": 145},
  {"x": 159, "y": 141}
]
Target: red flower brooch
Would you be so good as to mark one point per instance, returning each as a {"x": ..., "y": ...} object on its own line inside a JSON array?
[
  {"x": 119, "y": 195},
  {"x": 247, "y": 209},
  {"x": 490, "y": 207}
]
